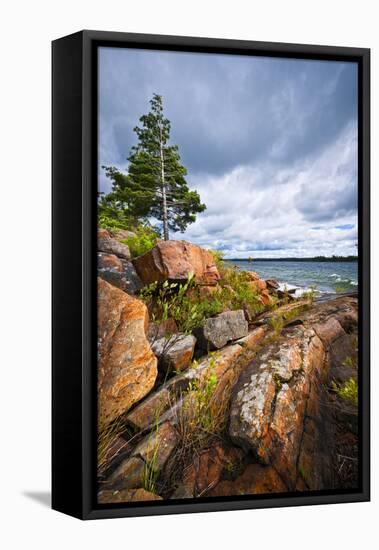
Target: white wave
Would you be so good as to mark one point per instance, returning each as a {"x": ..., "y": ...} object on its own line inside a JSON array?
[{"x": 299, "y": 291}]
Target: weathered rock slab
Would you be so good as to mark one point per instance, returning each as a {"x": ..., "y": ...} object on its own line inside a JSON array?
[
  {"x": 105, "y": 243},
  {"x": 206, "y": 470},
  {"x": 156, "y": 448},
  {"x": 150, "y": 455},
  {"x": 280, "y": 408},
  {"x": 128, "y": 475},
  {"x": 148, "y": 412},
  {"x": 270, "y": 397},
  {"x": 329, "y": 331},
  {"x": 251, "y": 410},
  {"x": 174, "y": 353},
  {"x": 253, "y": 339},
  {"x": 166, "y": 403},
  {"x": 256, "y": 479}
]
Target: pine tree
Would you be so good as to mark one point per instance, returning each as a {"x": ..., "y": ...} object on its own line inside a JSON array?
[{"x": 155, "y": 185}]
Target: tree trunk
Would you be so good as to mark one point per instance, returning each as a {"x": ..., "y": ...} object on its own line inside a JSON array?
[{"x": 164, "y": 198}]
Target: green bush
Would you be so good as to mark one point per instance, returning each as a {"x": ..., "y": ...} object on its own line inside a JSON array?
[
  {"x": 238, "y": 292},
  {"x": 180, "y": 302},
  {"x": 145, "y": 239},
  {"x": 189, "y": 307},
  {"x": 218, "y": 256},
  {"x": 111, "y": 218}
]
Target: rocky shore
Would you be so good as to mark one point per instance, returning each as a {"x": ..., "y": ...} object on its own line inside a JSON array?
[{"x": 246, "y": 400}]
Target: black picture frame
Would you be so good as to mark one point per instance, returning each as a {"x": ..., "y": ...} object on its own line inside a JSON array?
[{"x": 74, "y": 175}]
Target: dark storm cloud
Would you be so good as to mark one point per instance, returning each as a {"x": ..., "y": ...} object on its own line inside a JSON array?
[
  {"x": 225, "y": 110},
  {"x": 270, "y": 144}
]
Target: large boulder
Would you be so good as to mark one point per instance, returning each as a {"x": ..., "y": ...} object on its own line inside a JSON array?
[
  {"x": 280, "y": 409},
  {"x": 218, "y": 331},
  {"x": 127, "y": 367},
  {"x": 105, "y": 243},
  {"x": 175, "y": 352},
  {"x": 118, "y": 272},
  {"x": 175, "y": 261}
]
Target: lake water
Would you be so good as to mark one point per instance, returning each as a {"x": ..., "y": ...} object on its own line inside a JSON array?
[{"x": 326, "y": 277}]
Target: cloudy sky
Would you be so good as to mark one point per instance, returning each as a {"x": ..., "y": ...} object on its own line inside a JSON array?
[{"x": 269, "y": 144}]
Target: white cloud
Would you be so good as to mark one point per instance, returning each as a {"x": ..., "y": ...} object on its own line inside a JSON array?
[{"x": 265, "y": 211}]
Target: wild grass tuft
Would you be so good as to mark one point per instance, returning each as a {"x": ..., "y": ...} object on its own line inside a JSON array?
[
  {"x": 348, "y": 391},
  {"x": 107, "y": 437},
  {"x": 277, "y": 324},
  {"x": 180, "y": 302},
  {"x": 150, "y": 471}
]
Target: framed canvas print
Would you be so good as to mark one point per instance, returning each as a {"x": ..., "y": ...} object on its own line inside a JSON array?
[{"x": 210, "y": 274}]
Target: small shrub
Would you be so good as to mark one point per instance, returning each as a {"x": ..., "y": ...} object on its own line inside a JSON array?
[
  {"x": 218, "y": 256},
  {"x": 180, "y": 302},
  {"x": 145, "y": 239},
  {"x": 238, "y": 292}
]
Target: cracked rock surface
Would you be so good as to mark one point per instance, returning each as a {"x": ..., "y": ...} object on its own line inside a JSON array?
[{"x": 278, "y": 407}]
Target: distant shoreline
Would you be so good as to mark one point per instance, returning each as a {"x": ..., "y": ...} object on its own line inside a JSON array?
[{"x": 334, "y": 259}]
